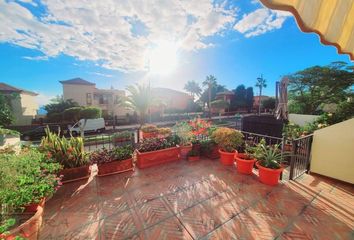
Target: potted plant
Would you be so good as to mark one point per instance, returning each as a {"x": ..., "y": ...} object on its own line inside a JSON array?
[
  {"x": 27, "y": 179},
  {"x": 149, "y": 131},
  {"x": 69, "y": 153},
  {"x": 228, "y": 141},
  {"x": 113, "y": 161},
  {"x": 269, "y": 163},
  {"x": 156, "y": 151},
  {"x": 164, "y": 132},
  {"x": 245, "y": 160},
  {"x": 183, "y": 131},
  {"x": 209, "y": 149},
  {"x": 123, "y": 136},
  {"x": 193, "y": 155}
]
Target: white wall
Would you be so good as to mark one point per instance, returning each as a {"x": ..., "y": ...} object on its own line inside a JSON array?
[{"x": 302, "y": 119}]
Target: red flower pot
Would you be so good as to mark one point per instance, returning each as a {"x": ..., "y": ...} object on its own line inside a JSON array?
[
  {"x": 29, "y": 229},
  {"x": 148, "y": 159},
  {"x": 75, "y": 174},
  {"x": 269, "y": 176},
  {"x": 193, "y": 158},
  {"x": 227, "y": 158},
  {"x": 32, "y": 208},
  {"x": 150, "y": 134},
  {"x": 185, "y": 150},
  {"x": 243, "y": 165},
  {"x": 115, "y": 167}
]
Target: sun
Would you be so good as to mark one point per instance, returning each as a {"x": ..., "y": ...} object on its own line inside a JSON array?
[{"x": 163, "y": 58}]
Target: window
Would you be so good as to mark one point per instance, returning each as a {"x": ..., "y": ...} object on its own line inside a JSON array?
[
  {"x": 103, "y": 99},
  {"x": 88, "y": 98}
]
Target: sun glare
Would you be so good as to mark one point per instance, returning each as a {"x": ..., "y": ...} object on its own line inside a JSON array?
[{"x": 163, "y": 58}]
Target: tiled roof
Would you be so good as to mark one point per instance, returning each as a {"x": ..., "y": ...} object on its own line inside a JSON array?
[
  {"x": 77, "y": 81},
  {"x": 6, "y": 88}
]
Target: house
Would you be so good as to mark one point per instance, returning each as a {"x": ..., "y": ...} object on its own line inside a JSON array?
[
  {"x": 225, "y": 96},
  {"x": 23, "y": 104},
  {"x": 86, "y": 94},
  {"x": 170, "y": 99}
]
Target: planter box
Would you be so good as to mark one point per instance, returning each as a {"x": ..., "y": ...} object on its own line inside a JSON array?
[
  {"x": 149, "y": 134},
  {"x": 32, "y": 208},
  {"x": 193, "y": 158},
  {"x": 29, "y": 229},
  {"x": 148, "y": 159},
  {"x": 185, "y": 150},
  {"x": 115, "y": 167},
  {"x": 212, "y": 154},
  {"x": 75, "y": 174}
]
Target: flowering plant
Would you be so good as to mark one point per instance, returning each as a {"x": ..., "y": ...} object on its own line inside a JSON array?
[
  {"x": 117, "y": 154},
  {"x": 149, "y": 128},
  {"x": 183, "y": 131},
  {"x": 153, "y": 144},
  {"x": 199, "y": 126}
]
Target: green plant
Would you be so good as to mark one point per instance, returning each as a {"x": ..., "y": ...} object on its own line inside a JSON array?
[
  {"x": 4, "y": 131},
  {"x": 207, "y": 146},
  {"x": 228, "y": 139},
  {"x": 164, "y": 131},
  {"x": 26, "y": 178},
  {"x": 184, "y": 131},
  {"x": 268, "y": 156},
  {"x": 153, "y": 144},
  {"x": 122, "y": 135},
  {"x": 70, "y": 153},
  {"x": 149, "y": 128},
  {"x": 117, "y": 154},
  {"x": 193, "y": 153},
  {"x": 90, "y": 113}
]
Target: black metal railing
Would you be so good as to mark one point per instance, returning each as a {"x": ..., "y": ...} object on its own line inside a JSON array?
[
  {"x": 108, "y": 141},
  {"x": 300, "y": 156}
]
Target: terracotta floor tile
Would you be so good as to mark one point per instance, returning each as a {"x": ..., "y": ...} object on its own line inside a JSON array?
[
  {"x": 181, "y": 200},
  {"x": 153, "y": 212},
  {"x": 198, "y": 221},
  {"x": 115, "y": 204}
]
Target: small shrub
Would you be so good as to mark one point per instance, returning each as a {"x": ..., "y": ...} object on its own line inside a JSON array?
[
  {"x": 153, "y": 144},
  {"x": 164, "y": 131},
  {"x": 228, "y": 139},
  {"x": 4, "y": 131},
  {"x": 117, "y": 154},
  {"x": 149, "y": 128},
  {"x": 184, "y": 131}
]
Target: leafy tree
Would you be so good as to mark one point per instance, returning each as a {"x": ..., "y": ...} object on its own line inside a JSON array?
[
  {"x": 239, "y": 98},
  {"x": 210, "y": 82},
  {"x": 6, "y": 114},
  {"x": 59, "y": 105},
  {"x": 269, "y": 103},
  {"x": 312, "y": 87},
  {"x": 140, "y": 100},
  {"x": 72, "y": 114},
  {"x": 193, "y": 88},
  {"x": 249, "y": 98},
  {"x": 90, "y": 113},
  {"x": 261, "y": 83}
]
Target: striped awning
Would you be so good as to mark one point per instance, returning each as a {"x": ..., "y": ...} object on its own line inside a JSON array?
[{"x": 332, "y": 20}]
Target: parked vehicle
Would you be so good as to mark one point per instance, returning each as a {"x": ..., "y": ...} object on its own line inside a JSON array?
[
  {"x": 39, "y": 132},
  {"x": 92, "y": 125}
]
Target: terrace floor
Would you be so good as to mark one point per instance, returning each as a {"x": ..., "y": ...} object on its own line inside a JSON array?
[{"x": 203, "y": 199}]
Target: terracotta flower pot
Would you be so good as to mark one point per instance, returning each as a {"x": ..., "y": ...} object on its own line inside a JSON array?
[
  {"x": 115, "y": 167},
  {"x": 75, "y": 174},
  {"x": 243, "y": 165},
  {"x": 227, "y": 158},
  {"x": 29, "y": 229},
  {"x": 149, "y": 134},
  {"x": 196, "y": 146},
  {"x": 185, "y": 150},
  {"x": 148, "y": 159},
  {"x": 269, "y": 176},
  {"x": 32, "y": 208},
  {"x": 193, "y": 158}
]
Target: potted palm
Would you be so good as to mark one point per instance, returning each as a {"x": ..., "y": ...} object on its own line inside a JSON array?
[
  {"x": 113, "y": 161},
  {"x": 69, "y": 153},
  {"x": 193, "y": 155},
  {"x": 156, "y": 151},
  {"x": 228, "y": 141},
  {"x": 245, "y": 161},
  {"x": 183, "y": 131},
  {"x": 269, "y": 163}
]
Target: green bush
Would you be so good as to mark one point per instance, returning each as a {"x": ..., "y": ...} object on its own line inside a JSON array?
[
  {"x": 228, "y": 139},
  {"x": 70, "y": 153},
  {"x": 26, "y": 178},
  {"x": 90, "y": 113},
  {"x": 72, "y": 114},
  {"x": 4, "y": 131}
]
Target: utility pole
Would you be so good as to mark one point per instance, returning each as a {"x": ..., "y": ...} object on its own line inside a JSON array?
[
  {"x": 209, "y": 86},
  {"x": 261, "y": 82}
]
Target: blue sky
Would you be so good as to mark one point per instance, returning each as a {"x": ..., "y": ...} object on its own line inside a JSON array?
[{"x": 106, "y": 42}]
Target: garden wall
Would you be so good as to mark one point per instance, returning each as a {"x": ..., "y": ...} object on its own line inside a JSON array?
[
  {"x": 333, "y": 151},
  {"x": 302, "y": 119}
]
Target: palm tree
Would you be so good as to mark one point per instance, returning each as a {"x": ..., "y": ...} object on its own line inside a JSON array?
[
  {"x": 193, "y": 88},
  {"x": 139, "y": 99},
  {"x": 261, "y": 83},
  {"x": 210, "y": 82}
]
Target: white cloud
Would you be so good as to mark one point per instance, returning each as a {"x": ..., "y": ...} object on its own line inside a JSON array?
[
  {"x": 102, "y": 74},
  {"x": 36, "y": 58},
  {"x": 261, "y": 21},
  {"x": 104, "y": 31}
]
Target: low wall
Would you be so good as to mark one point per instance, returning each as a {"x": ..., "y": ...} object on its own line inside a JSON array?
[
  {"x": 333, "y": 151},
  {"x": 302, "y": 119}
]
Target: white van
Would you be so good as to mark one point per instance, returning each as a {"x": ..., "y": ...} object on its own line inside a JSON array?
[{"x": 92, "y": 125}]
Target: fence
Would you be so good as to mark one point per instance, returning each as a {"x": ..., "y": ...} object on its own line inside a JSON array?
[{"x": 300, "y": 156}]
